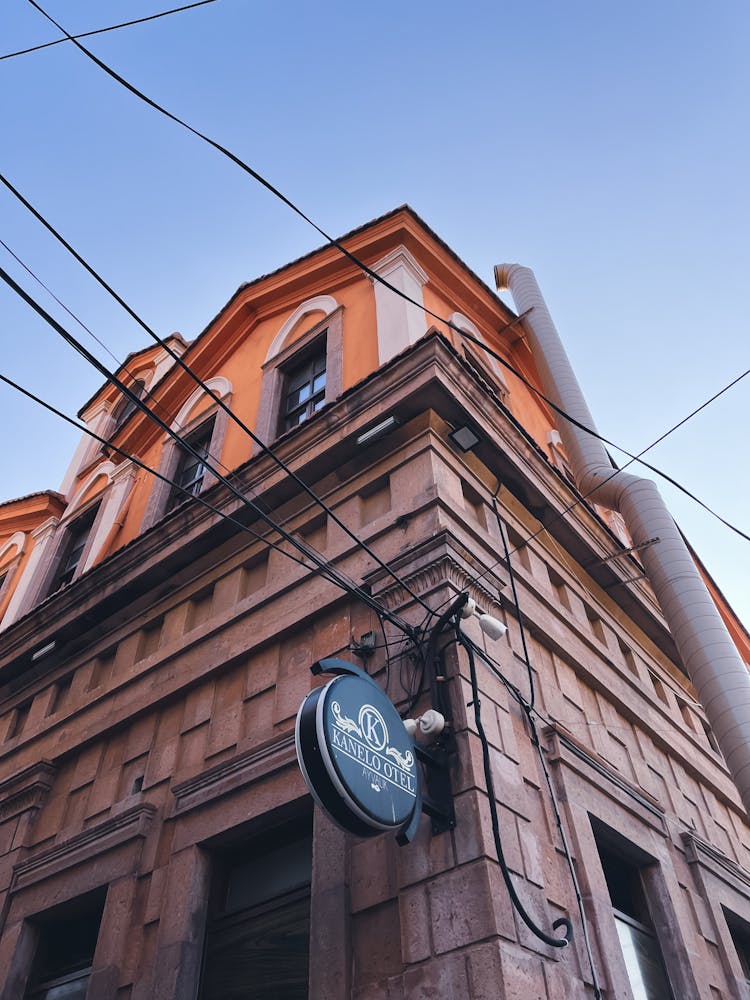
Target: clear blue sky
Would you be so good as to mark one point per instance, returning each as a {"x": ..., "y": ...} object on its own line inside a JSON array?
[{"x": 605, "y": 145}]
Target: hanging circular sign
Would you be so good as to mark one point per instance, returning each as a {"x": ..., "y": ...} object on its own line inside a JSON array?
[{"x": 357, "y": 758}]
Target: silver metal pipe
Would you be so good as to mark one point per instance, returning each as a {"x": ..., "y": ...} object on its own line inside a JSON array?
[{"x": 711, "y": 660}]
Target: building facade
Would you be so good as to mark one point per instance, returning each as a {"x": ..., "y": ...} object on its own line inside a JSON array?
[{"x": 157, "y": 839}]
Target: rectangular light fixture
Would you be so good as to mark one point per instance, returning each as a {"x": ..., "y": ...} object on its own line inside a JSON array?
[
  {"x": 43, "y": 651},
  {"x": 379, "y": 430},
  {"x": 464, "y": 438}
]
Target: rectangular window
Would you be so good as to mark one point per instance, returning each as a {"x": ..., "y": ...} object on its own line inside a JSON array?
[
  {"x": 258, "y": 935},
  {"x": 191, "y": 469},
  {"x": 75, "y": 542},
  {"x": 305, "y": 388},
  {"x": 740, "y": 932},
  {"x": 647, "y": 973},
  {"x": 65, "y": 951}
]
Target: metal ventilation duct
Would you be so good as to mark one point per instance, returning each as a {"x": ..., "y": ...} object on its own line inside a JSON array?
[{"x": 710, "y": 658}]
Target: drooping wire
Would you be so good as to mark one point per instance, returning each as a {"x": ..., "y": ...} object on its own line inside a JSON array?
[
  {"x": 329, "y": 572},
  {"x": 561, "y": 922},
  {"x": 184, "y": 444},
  {"x": 101, "y": 31},
  {"x": 147, "y": 394},
  {"x": 172, "y": 483},
  {"x": 529, "y": 713},
  {"x": 364, "y": 267},
  {"x": 528, "y": 708},
  {"x": 512, "y": 579},
  {"x": 218, "y": 400},
  {"x": 615, "y": 471}
]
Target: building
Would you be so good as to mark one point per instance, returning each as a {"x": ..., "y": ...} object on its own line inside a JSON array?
[{"x": 157, "y": 839}]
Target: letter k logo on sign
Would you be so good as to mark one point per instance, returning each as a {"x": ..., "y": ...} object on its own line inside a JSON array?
[{"x": 373, "y": 727}]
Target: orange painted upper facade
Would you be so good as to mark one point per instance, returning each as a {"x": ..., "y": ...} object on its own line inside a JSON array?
[{"x": 319, "y": 310}]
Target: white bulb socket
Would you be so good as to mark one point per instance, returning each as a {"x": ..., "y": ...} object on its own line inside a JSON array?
[
  {"x": 491, "y": 627},
  {"x": 410, "y": 725},
  {"x": 432, "y": 723}
]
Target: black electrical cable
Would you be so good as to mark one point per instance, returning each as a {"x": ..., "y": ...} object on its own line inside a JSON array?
[
  {"x": 528, "y": 709},
  {"x": 146, "y": 396},
  {"x": 217, "y": 399},
  {"x": 519, "y": 615},
  {"x": 73, "y": 342},
  {"x": 147, "y": 468},
  {"x": 534, "y": 736},
  {"x": 561, "y": 922},
  {"x": 529, "y": 713},
  {"x": 363, "y": 267},
  {"x": 101, "y": 31},
  {"x": 615, "y": 472},
  {"x": 332, "y": 574}
]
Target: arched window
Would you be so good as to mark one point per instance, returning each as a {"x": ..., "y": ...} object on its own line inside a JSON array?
[
  {"x": 300, "y": 377},
  {"x": 128, "y": 405},
  {"x": 188, "y": 470}
]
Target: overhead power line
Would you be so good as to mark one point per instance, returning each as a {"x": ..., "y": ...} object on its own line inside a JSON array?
[
  {"x": 148, "y": 394},
  {"x": 111, "y": 377},
  {"x": 217, "y": 399},
  {"x": 101, "y": 31},
  {"x": 585, "y": 496},
  {"x": 328, "y": 572},
  {"x": 360, "y": 264},
  {"x": 147, "y": 468}
]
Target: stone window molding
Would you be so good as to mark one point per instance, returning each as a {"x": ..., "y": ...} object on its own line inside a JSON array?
[
  {"x": 27, "y": 789},
  {"x": 102, "y": 419},
  {"x": 320, "y": 303},
  {"x": 185, "y": 426},
  {"x": 635, "y": 819},
  {"x": 50, "y": 538},
  {"x": 131, "y": 824},
  {"x": 280, "y": 357},
  {"x": 18, "y": 542},
  {"x": 229, "y": 776},
  {"x": 89, "y": 450},
  {"x": 484, "y": 359},
  {"x": 106, "y": 858},
  {"x": 725, "y": 888}
]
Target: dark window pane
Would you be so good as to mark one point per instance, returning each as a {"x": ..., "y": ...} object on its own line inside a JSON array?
[
  {"x": 640, "y": 946},
  {"x": 65, "y": 952},
  {"x": 75, "y": 543},
  {"x": 259, "y": 955},
  {"x": 191, "y": 469},
  {"x": 271, "y": 874},
  {"x": 305, "y": 389},
  {"x": 128, "y": 406},
  {"x": 740, "y": 932},
  {"x": 257, "y": 944}
]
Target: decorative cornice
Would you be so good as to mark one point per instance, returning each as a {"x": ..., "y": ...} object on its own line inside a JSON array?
[
  {"x": 231, "y": 775},
  {"x": 700, "y": 852},
  {"x": 26, "y": 790},
  {"x": 442, "y": 571},
  {"x": 128, "y": 825}
]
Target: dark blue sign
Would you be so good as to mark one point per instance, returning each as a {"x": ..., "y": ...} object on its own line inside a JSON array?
[{"x": 357, "y": 758}]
